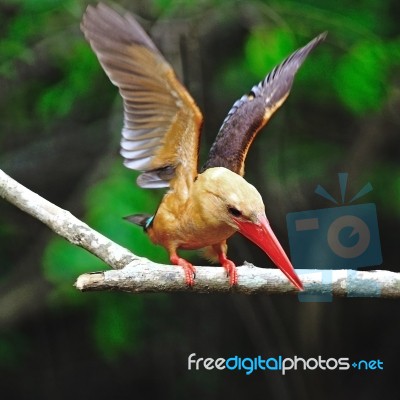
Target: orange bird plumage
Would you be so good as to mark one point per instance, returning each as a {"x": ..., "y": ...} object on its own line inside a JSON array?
[{"x": 160, "y": 138}]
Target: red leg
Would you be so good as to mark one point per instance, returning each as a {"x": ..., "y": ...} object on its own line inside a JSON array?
[
  {"x": 189, "y": 269},
  {"x": 229, "y": 265}
]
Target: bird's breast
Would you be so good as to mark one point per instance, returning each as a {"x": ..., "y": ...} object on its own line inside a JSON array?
[{"x": 185, "y": 227}]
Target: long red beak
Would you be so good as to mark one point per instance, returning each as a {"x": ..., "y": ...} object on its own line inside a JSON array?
[{"x": 263, "y": 236}]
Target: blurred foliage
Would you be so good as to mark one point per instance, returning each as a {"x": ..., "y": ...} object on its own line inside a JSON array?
[
  {"x": 362, "y": 79},
  {"x": 321, "y": 156},
  {"x": 13, "y": 346},
  {"x": 51, "y": 79},
  {"x": 386, "y": 183},
  {"x": 117, "y": 324},
  {"x": 58, "y": 100}
]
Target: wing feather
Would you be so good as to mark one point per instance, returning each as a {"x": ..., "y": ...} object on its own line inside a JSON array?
[
  {"x": 251, "y": 112},
  {"x": 162, "y": 123}
]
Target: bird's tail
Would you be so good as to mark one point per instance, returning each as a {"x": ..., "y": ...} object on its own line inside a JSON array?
[{"x": 143, "y": 220}]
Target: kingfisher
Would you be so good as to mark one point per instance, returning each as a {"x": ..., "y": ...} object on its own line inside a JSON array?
[{"x": 160, "y": 138}]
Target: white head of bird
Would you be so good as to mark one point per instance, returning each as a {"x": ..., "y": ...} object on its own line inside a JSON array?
[{"x": 228, "y": 198}]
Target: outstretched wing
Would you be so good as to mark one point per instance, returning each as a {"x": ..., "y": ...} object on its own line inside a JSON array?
[
  {"x": 162, "y": 123},
  {"x": 250, "y": 113}
]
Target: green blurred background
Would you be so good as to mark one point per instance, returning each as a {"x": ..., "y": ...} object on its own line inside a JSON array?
[{"x": 60, "y": 121}]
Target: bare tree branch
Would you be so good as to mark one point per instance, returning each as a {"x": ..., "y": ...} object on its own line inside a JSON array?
[
  {"x": 64, "y": 223},
  {"x": 151, "y": 277},
  {"x": 137, "y": 274}
]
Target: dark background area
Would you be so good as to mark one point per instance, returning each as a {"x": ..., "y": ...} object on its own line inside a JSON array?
[{"x": 60, "y": 121}]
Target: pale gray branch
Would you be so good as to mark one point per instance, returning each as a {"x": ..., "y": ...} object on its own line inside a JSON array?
[
  {"x": 136, "y": 274},
  {"x": 147, "y": 276},
  {"x": 64, "y": 223}
]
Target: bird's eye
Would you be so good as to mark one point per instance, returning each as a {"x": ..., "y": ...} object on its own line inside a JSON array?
[{"x": 234, "y": 211}]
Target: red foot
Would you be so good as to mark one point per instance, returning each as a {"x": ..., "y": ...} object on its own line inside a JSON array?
[
  {"x": 189, "y": 269},
  {"x": 231, "y": 270}
]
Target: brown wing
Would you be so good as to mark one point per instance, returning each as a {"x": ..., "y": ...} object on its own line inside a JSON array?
[
  {"x": 250, "y": 113},
  {"x": 162, "y": 123}
]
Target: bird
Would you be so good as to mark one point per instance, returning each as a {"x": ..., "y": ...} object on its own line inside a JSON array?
[{"x": 162, "y": 124}]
